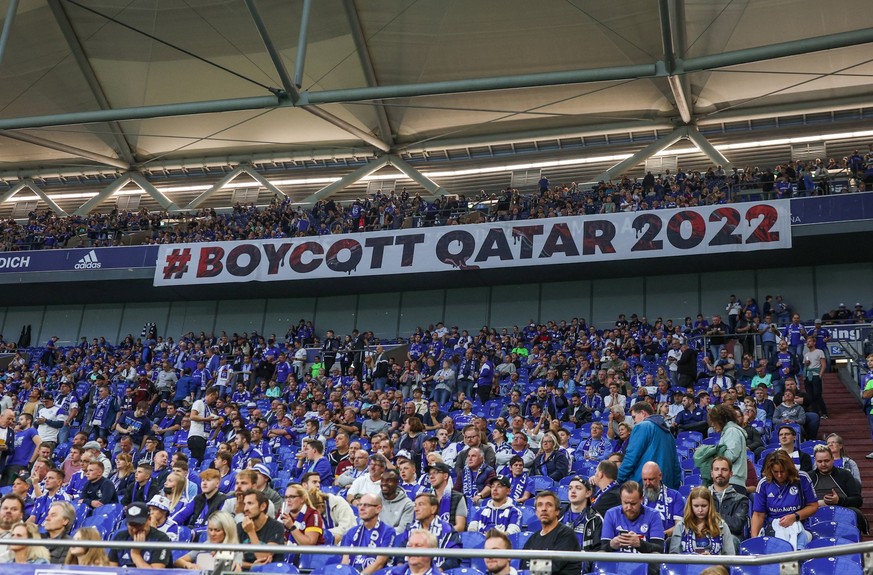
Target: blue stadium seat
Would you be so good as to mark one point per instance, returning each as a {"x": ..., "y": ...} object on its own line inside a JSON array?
[
  {"x": 834, "y": 529},
  {"x": 528, "y": 514},
  {"x": 519, "y": 539},
  {"x": 621, "y": 568},
  {"x": 463, "y": 571},
  {"x": 104, "y": 524},
  {"x": 764, "y": 546},
  {"x": 835, "y": 513},
  {"x": 682, "y": 569},
  {"x": 543, "y": 483},
  {"x": 320, "y": 562},
  {"x": 472, "y": 540},
  {"x": 831, "y": 566},
  {"x": 276, "y": 568},
  {"x": 820, "y": 542}
]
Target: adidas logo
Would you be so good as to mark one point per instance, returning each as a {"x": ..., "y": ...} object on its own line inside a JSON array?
[{"x": 89, "y": 262}]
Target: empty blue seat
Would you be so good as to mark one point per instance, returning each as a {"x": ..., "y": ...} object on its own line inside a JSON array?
[
  {"x": 834, "y": 529},
  {"x": 831, "y": 566},
  {"x": 621, "y": 568},
  {"x": 276, "y": 568},
  {"x": 472, "y": 540},
  {"x": 835, "y": 513},
  {"x": 463, "y": 571},
  {"x": 682, "y": 569},
  {"x": 764, "y": 546},
  {"x": 518, "y": 540}
]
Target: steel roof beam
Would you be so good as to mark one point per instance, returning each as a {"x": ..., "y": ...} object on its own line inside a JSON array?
[
  {"x": 292, "y": 87},
  {"x": 101, "y": 196},
  {"x": 44, "y": 197},
  {"x": 153, "y": 192},
  {"x": 416, "y": 176},
  {"x": 302, "y": 43},
  {"x": 195, "y": 203},
  {"x": 708, "y": 149},
  {"x": 125, "y": 151},
  {"x": 363, "y": 50},
  {"x": 643, "y": 154},
  {"x": 10, "y": 193},
  {"x": 263, "y": 181},
  {"x": 7, "y": 26},
  {"x": 42, "y": 142},
  {"x": 670, "y": 21},
  {"x": 345, "y": 181}
]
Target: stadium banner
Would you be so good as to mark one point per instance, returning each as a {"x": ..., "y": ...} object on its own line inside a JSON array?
[
  {"x": 569, "y": 240},
  {"x": 78, "y": 259}
]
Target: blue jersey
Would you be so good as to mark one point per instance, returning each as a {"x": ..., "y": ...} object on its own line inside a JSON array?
[
  {"x": 648, "y": 525},
  {"x": 381, "y": 535},
  {"x": 24, "y": 447},
  {"x": 596, "y": 449},
  {"x": 42, "y": 504},
  {"x": 777, "y": 501},
  {"x": 670, "y": 506},
  {"x": 506, "y": 518}
]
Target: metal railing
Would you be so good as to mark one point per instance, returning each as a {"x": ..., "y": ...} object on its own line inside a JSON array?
[{"x": 789, "y": 562}]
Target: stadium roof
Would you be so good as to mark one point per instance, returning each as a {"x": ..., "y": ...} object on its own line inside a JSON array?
[{"x": 156, "y": 84}]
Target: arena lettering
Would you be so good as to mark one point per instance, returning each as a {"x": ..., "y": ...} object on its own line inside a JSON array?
[
  {"x": 579, "y": 239},
  {"x": 14, "y": 262}
]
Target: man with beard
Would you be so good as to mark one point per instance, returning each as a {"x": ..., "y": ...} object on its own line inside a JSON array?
[
  {"x": 668, "y": 503},
  {"x": 731, "y": 505},
  {"x": 257, "y": 528},
  {"x": 632, "y": 527},
  {"x": 498, "y": 540}
]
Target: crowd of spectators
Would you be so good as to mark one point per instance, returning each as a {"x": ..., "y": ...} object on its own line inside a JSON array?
[
  {"x": 637, "y": 438},
  {"x": 386, "y": 211}
]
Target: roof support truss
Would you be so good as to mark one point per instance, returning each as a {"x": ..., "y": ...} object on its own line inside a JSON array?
[
  {"x": 78, "y": 52},
  {"x": 671, "y": 22},
  {"x": 42, "y": 142},
  {"x": 153, "y": 192},
  {"x": 708, "y": 149},
  {"x": 643, "y": 154},
  {"x": 101, "y": 196},
  {"x": 44, "y": 197},
  {"x": 416, "y": 176},
  {"x": 369, "y": 70},
  {"x": 7, "y": 26},
  {"x": 302, "y": 43},
  {"x": 345, "y": 181},
  {"x": 231, "y": 176},
  {"x": 291, "y": 88}
]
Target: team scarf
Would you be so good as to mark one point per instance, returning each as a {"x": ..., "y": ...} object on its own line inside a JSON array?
[
  {"x": 517, "y": 485},
  {"x": 602, "y": 491},
  {"x": 470, "y": 483},
  {"x": 692, "y": 544}
]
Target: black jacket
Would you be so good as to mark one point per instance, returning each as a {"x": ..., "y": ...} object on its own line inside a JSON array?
[
  {"x": 734, "y": 509},
  {"x": 848, "y": 489}
]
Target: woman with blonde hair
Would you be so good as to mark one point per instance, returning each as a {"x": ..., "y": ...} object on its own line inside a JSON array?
[
  {"x": 175, "y": 490},
  {"x": 551, "y": 460},
  {"x": 220, "y": 530},
  {"x": 701, "y": 530},
  {"x": 87, "y": 556},
  {"x": 123, "y": 476},
  {"x": 33, "y": 554},
  {"x": 835, "y": 444}
]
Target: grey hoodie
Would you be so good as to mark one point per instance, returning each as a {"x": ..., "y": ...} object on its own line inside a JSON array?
[{"x": 398, "y": 512}]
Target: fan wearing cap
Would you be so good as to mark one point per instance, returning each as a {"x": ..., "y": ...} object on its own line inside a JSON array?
[
  {"x": 136, "y": 516},
  {"x": 159, "y": 517},
  {"x": 581, "y": 517},
  {"x": 50, "y": 420},
  {"x": 453, "y": 504},
  {"x": 264, "y": 482},
  {"x": 499, "y": 512}
]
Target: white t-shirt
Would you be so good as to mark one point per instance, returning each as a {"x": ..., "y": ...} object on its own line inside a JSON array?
[
  {"x": 45, "y": 431},
  {"x": 198, "y": 428}
]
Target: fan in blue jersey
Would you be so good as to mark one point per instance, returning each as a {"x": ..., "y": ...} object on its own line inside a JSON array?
[
  {"x": 370, "y": 532},
  {"x": 633, "y": 527},
  {"x": 784, "y": 497},
  {"x": 499, "y": 512},
  {"x": 596, "y": 447}
]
